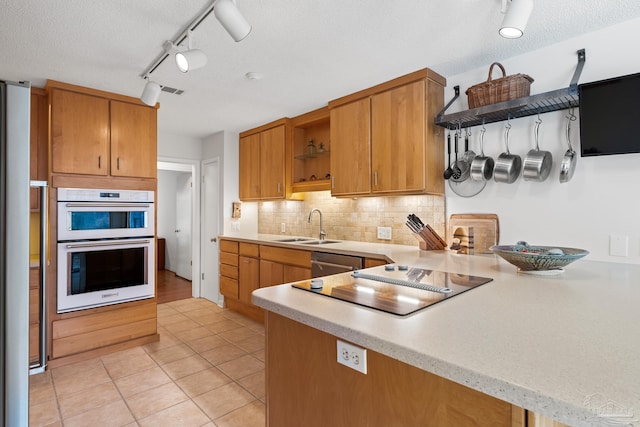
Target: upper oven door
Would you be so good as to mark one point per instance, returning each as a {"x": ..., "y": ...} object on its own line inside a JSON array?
[{"x": 104, "y": 220}]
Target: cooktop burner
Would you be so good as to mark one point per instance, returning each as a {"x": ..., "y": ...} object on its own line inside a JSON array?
[{"x": 400, "y": 290}]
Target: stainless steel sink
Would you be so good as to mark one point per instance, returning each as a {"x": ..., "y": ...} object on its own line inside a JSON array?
[
  {"x": 294, "y": 239},
  {"x": 319, "y": 242}
]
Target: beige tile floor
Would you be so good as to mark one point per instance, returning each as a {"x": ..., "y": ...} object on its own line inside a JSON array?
[{"x": 206, "y": 370}]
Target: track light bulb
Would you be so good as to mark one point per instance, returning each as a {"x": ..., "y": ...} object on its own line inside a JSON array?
[
  {"x": 151, "y": 93},
  {"x": 229, "y": 16},
  {"x": 516, "y": 18},
  {"x": 190, "y": 60}
]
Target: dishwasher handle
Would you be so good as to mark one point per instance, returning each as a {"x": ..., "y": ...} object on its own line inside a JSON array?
[{"x": 332, "y": 265}]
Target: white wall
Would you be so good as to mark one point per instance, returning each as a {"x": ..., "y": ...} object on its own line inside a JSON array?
[
  {"x": 179, "y": 146},
  {"x": 602, "y": 198},
  {"x": 224, "y": 145}
]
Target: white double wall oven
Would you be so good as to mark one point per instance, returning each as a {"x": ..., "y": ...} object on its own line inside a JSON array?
[{"x": 106, "y": 247}]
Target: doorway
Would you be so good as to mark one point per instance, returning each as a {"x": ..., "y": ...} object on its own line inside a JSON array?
[{"x": 178, "y": 218}]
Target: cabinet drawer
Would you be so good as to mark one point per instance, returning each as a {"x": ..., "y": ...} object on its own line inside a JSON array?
[
  {"x": 228, "y": 246},
  {"x": 286, "y": 256},
  {"x": 229, "y": 271},
  {"x": 229, "y": 259},
  {"x": 249, "y": 249},
  {"x": 229, "y": 287}
]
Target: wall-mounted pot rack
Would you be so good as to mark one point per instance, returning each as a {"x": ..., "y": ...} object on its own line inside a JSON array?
[{"x": 555, "y": 100}]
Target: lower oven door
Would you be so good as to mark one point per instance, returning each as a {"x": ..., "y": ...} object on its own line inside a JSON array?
[{"x": 102, "y": 272}]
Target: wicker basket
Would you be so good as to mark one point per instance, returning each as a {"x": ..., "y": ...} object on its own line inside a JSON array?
[{"x": 502, "y": 89}]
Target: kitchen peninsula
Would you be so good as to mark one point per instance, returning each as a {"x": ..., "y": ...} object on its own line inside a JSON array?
[{"x": 562, "y": 346}]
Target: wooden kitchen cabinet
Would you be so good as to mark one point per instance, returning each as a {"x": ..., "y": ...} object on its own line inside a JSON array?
[
  {"x": 134, "y": 135},
  {"x": 351, "y": 148},
  {"x": 302, "y": 384},
  {"x": 384, "y": 139},
  {"x": 311, "y": 165},
  {"x": 283, "y": 265},
  {"x": 398, "y": 139},
  {"x": 34, "y": 315},
  {"x": 229, "y": 269},
  {"x": 245, "y": 267},
  {"x": 38, "y": 143},
  {"x": 250, "y": 167},
  {"x": 97, "y": 133},
  {"x": 248, "y": 280},
  {"x": 262, "y": 162},
  {"x": 79, "y": 133}
]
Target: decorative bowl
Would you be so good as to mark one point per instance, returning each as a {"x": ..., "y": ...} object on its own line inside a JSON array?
[{"x": 538, "y": 258}]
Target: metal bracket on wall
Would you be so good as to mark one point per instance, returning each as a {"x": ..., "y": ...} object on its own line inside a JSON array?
[{"x": 560, "y": 99}]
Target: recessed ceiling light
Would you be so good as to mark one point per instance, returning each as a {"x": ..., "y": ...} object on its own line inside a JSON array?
[{"x": 253, "y": 76}]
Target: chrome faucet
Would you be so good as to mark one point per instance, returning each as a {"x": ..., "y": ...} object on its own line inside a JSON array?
[{"x": 322, "y": 232}]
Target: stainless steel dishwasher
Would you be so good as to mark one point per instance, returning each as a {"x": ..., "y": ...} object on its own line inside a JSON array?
[{"x": 324, "y": 264}]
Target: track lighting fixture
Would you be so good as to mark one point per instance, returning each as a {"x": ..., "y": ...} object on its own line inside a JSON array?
[
  {"x": 227, "y": 13},
  {"x": 229, "y": 16},
  {"x": 516, "y": 17},
  {"x": 151, "y": 93},
  {"x": 190, "y": 59}
]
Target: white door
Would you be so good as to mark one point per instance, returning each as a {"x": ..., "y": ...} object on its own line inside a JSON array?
[
  {"x": 211, "y": 228},
  {"x": 183, "y": 226}
]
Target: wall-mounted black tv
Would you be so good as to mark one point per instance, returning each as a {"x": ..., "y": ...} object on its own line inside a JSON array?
[{"x": 610, "y": 116}]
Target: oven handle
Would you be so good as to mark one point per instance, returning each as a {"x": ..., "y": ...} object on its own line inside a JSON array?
[
  {"x": 107, "y": 205},
  {"x": 107, "y": 243}
]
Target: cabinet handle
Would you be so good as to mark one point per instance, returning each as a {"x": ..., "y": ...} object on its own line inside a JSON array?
[
  {"x": 333, "y": 182},
  {"x": 99, "y": 162},
  {"x": 278, "y": 188},
  {"x": 375, "y": 179},
  {"x": 118, "y": 161}
]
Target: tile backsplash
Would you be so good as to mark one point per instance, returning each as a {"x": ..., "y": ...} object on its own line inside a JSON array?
[{"x": 352, "y": 219}]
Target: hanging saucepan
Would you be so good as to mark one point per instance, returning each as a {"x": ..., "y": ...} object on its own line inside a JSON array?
[
  {"x": 568, "y": 166},
  {"x": 508, "y": 166},
  {"x": 482, "y": 166},
  {"x": 469, "y": 155},
  {"x": 537, "y": 162}
]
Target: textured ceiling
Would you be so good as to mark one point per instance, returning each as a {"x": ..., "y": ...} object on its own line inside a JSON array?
[{"x": 309, "y": 51}]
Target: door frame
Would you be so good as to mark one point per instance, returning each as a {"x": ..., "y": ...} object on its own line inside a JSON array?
[{"x": 186, "y": 165}]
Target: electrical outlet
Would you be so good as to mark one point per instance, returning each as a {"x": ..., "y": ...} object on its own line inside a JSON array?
[
  {"x": 283, "y": 227},
  {"x": 618, "y": 245},
  {"x": 235, "y": 226},
  {"x": 384, "y": 233},
  {"x": 352, "y": 356}
]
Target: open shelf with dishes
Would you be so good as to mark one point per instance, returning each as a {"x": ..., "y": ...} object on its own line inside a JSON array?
[
  {"x": 555, "y": 100},
  {"x": 311, "y": 151}
]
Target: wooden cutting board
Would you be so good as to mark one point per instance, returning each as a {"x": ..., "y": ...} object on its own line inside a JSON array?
[{"x": 485, "y": 231}]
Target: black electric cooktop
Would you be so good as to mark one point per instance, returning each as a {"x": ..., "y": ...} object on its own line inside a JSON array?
[{"x": 400, "y": 291}]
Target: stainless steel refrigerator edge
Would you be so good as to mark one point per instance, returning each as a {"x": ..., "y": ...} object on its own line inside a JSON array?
[{"x": 14, "y": 255}]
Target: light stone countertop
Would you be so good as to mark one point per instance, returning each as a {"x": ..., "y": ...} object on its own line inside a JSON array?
[{"x": 565, "y": 346}]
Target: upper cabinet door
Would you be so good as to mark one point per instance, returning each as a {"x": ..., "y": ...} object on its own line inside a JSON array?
[
  {"x": 350, "y": 148},
  {"x": 272, "y": 161},
  {"x": 79, "y": 133},
  {"x": 249, "y": 179},
  {"x": 398, "y": 139},
  {"x": 133, "y": 140}
]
